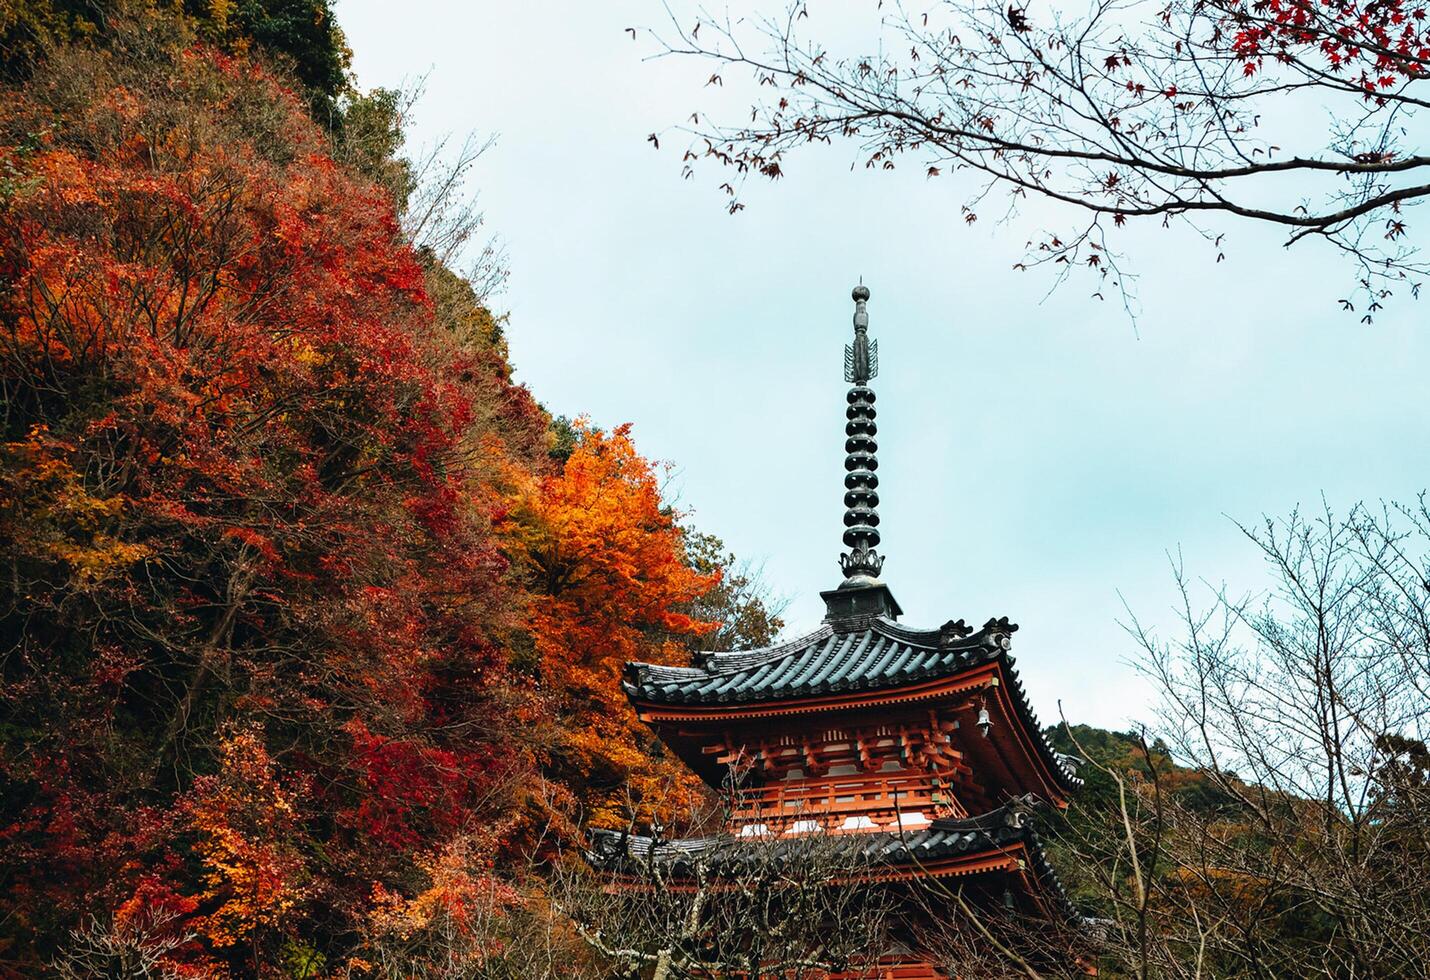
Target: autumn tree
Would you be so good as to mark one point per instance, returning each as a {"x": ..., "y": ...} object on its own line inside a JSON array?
[
  {"x": 611, "y": 582},
  {"x": 248, "y": 478},
  {"x": 1183, "y": 112},
  {"x": 301, "y": 36},
  {"x": 311, "y": 620}
]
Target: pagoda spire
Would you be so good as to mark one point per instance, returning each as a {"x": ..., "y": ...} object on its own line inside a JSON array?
[
  {"x": 861, "y": 595},
  {"x": 861, "y": 563}
]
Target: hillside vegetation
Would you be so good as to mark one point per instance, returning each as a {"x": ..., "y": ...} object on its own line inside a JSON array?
[{"x": 311, "y": 617}]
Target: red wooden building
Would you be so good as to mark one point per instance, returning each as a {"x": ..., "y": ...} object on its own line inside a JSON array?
[{"x": 919, "y": 740}]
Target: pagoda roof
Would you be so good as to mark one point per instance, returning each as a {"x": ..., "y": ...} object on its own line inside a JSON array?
[
  {"x": 1001, "y": 840},
  {"x": 875, "y": 654},
  {"x": 843, "y": 662}
]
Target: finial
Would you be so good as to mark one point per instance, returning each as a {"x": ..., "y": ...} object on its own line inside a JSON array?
[
  {"x": 861, "y": 358},
  {"x": 861, "y": 499}
]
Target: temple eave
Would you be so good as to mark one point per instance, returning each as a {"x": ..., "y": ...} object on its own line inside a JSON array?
[
  {"x": 853, "y": 700},
  {"x": 829, "y": 673},
  {"x": 1013, "y": 859},
  {"x": 999, "y": 846}
]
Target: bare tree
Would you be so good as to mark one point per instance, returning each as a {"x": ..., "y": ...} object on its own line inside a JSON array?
[
  {"x": 135, "y": 947},
  {"x": 443, "y": 219},
  {"x": 1292, "y": 113},
  {"x": 522, "y": 940},
  {"x": 1308, "y": 707},
  {"x": 431, "y": 184},
  {"x": 791, "y": 906},
  {"x": 1279, "y": 823}
]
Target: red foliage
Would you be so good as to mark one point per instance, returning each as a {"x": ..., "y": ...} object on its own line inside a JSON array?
[
  {"x": 1377, "y": 45},
  {"x": 298, "y": 610},
  {"x": 245, "y": 483},
  {"x": 412, "y": 792}
]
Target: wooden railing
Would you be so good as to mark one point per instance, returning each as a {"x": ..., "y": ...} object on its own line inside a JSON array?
[{"x": 832, "y": 799}]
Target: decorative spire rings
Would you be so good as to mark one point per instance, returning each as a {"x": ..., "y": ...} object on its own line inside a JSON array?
[{"x": 861, "y": 483}]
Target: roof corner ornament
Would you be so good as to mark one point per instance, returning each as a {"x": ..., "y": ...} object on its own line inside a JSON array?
[
  {"x": 953, "y": 631},
  {"x": 998, "y": 633},
  {"x": 1019, "y": 809},
  {"x": 861, "y": 498}
]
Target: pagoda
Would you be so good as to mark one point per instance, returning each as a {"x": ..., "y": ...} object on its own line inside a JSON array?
[{"x": 920, "y": 741}]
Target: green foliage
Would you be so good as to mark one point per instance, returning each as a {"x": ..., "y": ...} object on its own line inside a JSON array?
[
  {"x": 1124, "y": 753},
  {"x": 299, "y": 36},
  {"x": 749, "y": 616},
  {"x": 564, "y": 436},
  {"x": 370, "y": 141},
  {"x": 1092, "y": 830}
]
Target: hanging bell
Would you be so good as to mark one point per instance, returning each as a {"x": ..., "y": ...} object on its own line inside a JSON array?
[{"x": 985, "y": 722}]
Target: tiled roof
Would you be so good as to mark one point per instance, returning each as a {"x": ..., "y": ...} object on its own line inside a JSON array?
[
  {"x": 616, "y": 851},
  {"x": 611, "y": 849},
  {"x": 873, "y": 654},
  {"x": 881, "y": 654}
]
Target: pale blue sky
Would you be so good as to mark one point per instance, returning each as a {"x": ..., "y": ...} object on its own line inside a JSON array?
[{"x": 1038, "y": 456}]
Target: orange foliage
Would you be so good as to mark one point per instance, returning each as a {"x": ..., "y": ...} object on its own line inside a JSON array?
[
  {"x": 461, "y": 890},
  {"x": 607, "y": 570},
  {"x": 246, "y": 822}
]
